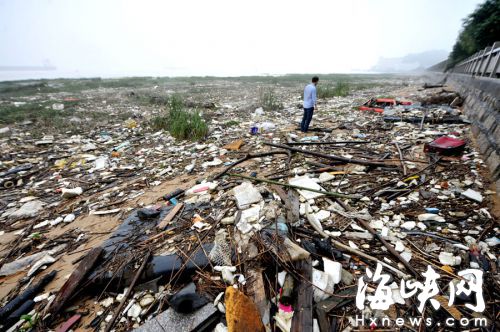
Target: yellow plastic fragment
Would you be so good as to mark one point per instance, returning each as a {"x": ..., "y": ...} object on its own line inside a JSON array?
[
  {"x": 60, "y": 163},
  {"x": 130, "y": 123},
  {"x": 411, "y": 178},
  {"x": 447, "y": 268}
]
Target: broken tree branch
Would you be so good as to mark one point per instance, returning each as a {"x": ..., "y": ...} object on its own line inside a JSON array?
[
  {"x": 330, "y": 156},
  {"x": 381, "y": 239},
  {"x": 401, "y": 158},
  {"x": 388, "y": 246},
  {"x": 423, "y": 120},
  {"x": 127, "y": 294},
  {"x": 327, "y": 193},
  {"x": 328, "y": 143},
  {"x": 342, "y": 246},
  {"x": 69, "y": 287},
  {"x": 247, "y": 157},
  {"x": 317, "y": 170}
]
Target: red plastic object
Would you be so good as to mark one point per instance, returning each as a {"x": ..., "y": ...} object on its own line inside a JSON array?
[
  {"x": 373, "y": 109},
  {"x": 378, "y": 104},
  {"x": 446, "y": 145},
  {"x": 69, "y": 323}
]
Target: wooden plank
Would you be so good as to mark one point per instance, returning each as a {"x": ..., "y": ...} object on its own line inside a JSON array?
[
  {"x": 168, "y": 218},
  {"x": 69, "y": 323},
  {"x": 291, "y": 202},
  {"x": 333, "y": 326},
  {"x": 293, "y": 214},
  {"x": 324, "y": 324},
  {"x": 303, "y": 305},
  {"x": 78, "y": 275},
  {"x": 281, "y": 193},
  {"x": 257, "y": 291},
  {"x": 324, "y": 307}
]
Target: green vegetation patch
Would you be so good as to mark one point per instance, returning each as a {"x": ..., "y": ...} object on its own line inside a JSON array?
[
  {"x": 36, "y": 112},
  {"x": 329, "y": 90},
  {"x": 181, "y": 122},
  {"x": 231, "y": 123},
  {"x": 269, "y": 100}
]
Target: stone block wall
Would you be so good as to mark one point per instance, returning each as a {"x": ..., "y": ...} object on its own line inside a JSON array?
[{"x": 482, "y": 106}]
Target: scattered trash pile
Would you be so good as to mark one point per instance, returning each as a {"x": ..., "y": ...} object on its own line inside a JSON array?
[{"x": 281, "y": 231}]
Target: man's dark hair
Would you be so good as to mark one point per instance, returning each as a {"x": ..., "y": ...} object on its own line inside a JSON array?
[{"x": 315, "y": 79}]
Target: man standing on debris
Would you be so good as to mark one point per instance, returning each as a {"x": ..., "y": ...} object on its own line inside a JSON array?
[{"x": 309, "y": 104}]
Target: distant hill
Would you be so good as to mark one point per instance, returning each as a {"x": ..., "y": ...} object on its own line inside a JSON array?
[
  {"x": 410, "y": 62},
  {"x": 439, "y": 67}
]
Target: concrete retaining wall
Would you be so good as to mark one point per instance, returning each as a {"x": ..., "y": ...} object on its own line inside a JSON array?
[{"x": 482, "y": 107}]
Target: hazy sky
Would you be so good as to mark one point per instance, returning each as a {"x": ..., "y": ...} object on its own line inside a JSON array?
[{"x": 107, "y": 38}]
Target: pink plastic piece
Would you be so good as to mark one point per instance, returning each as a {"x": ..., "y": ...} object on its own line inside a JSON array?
[
  {"x": 205, "y": 188},
  {"x": 285, "y": 308}
]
